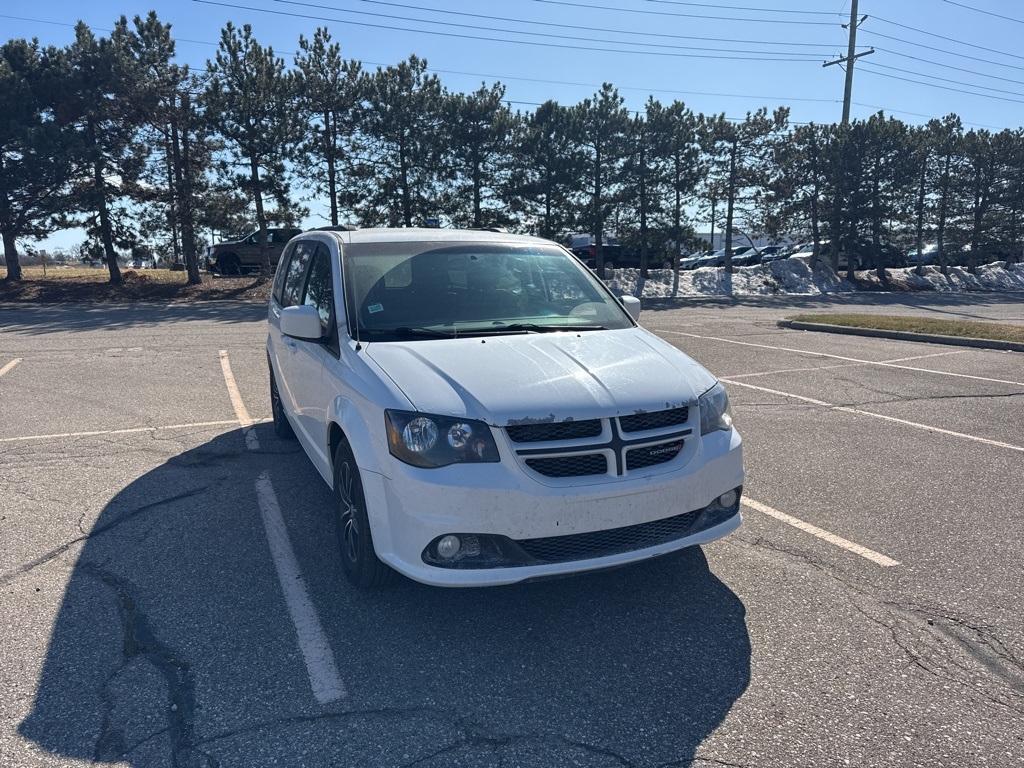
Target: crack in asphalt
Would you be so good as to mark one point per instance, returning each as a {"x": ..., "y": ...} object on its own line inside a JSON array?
[
  {"x": 923, "y": 624},
  {"x": 35, "y": 562},
  {"x": 139, "y": 640},
  {"x": 469, "y": 735}
]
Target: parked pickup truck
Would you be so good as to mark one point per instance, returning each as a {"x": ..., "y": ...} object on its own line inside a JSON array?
[{"x": 235, "y": 257}]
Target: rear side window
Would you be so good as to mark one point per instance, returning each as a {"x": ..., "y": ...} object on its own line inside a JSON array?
[
  {"x": 319, "y": 289},
  {"x": 295, "y": 273}
]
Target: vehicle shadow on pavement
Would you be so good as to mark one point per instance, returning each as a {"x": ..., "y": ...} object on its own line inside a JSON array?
[{"x": 173, "y": 645}]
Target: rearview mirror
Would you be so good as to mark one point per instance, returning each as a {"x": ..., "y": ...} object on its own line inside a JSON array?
[
  {"x": 301, "y": 322},
  {"x": 632, "y": 305}
]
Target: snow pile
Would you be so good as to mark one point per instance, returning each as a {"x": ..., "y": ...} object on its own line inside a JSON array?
[
  {"x": 795, "y": 277},
  {"x": 786, "y": 276},
  {"x": 997, "y": 276}
]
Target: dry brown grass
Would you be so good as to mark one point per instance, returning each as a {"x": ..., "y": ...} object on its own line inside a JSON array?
[
  {"x": 962, "y": 328},
  {"x": 91, "y": 285}
]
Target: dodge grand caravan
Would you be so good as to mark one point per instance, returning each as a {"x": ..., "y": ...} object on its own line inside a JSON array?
[{"x": 487, "y": 412}]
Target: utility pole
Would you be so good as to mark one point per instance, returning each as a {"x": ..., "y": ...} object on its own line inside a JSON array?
[{"x": 850, "y": 58}]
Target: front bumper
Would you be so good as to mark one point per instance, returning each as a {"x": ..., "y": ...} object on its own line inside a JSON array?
[{"x": 413, "y": 507}]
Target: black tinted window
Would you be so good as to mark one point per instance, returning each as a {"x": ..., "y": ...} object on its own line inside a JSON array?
[
  {"x": 295, "y": 277},
  {"x": 319, "y": 290}
]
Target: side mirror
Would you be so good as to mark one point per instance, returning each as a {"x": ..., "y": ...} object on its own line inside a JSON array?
[
  {"x": 632, "y": 305},
  {"x": 301, "y": 323}
]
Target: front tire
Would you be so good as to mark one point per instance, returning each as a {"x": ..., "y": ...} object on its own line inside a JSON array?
[
  {"x": 282, "y": 427},
  {"x": 355, "y": 542}
]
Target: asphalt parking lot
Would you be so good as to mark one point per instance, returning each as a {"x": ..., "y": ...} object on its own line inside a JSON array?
[{"x": 170, "y": 596}]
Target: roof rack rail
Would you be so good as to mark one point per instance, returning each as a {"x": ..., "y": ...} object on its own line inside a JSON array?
[
  {"x": 503, "y": 230},
  {"x": 335, "y": 228}
]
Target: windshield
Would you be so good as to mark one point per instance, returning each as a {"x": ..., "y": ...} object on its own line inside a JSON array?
[{"x": 435, "y": 289}]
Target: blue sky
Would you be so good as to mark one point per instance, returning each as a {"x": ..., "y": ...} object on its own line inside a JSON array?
[{"x": 808, "y": 31}]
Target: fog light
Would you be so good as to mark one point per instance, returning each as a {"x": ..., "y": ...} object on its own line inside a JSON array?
[
  {"x": 448, "y": 546},
  {"x": 727, "y": 499}
]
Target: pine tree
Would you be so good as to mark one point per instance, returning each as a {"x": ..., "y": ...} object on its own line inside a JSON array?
[
  {"x": 250, "y": 101},
  {"x": 547, "y": 167},
  {"x": 108, "y": 96},
  {"x": 331, "y": 92},
  {"x": 600, "y": 127},
  {"x": 404, "y": 138},
  {"x": 37, "y": 151},
  {"x": 480, "y": 140},
  {"x": 742, "y": 152}
]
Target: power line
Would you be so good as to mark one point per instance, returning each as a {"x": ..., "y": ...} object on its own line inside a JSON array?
[
  {"x": 766, "y": 97},
  {"x": 947, "y": 39},
  {"x": 921, "y": 114},
  {"x": 1015, "y": 80},
  {"x": 747, "y": 8},
  {"x": 559, "y": 25},
  {"x": 536, "y": 34},
  {"x": 682, "y": 15},
  {"x": 940, "y": 50},
  {"x": 535, "y": 43},
  {"x": 947, "y": 80},
  {"x": 982, "y": 10},
  {"x": 941, "y": 87}
]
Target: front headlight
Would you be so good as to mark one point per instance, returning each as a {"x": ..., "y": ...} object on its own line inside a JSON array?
[
  {"x": 714, "y": 410},
  {"x": 425, "y": 440}
]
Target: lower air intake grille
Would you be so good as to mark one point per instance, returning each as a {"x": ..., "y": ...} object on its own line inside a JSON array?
[
  {"x": 570, "y": 466},
  {"x": 638, "y": 422},
  {"x": 583, "y": 546},
  {"x": 563, "y": 430}
]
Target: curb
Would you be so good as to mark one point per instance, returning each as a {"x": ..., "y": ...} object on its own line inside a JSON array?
[{"x": 929, "y": 338}]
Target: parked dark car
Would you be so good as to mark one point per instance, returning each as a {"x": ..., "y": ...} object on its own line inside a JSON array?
[
  {"x": 617, "y": 257},
  {"x": 236, "y": 257}
]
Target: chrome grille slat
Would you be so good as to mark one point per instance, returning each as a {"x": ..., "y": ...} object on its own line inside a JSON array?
[{"x": 613, "y": 446}]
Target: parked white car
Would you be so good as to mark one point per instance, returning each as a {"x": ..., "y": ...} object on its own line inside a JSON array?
[{"x": 487, "y": 412}]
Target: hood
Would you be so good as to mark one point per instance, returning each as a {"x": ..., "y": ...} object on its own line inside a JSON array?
[{"x": 545, "y": 377}]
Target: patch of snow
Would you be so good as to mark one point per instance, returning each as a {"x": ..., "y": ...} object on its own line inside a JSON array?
[
  {"x": 785, "y": 276},
  {"x": 997, "y": 276},
  {"x": 795, "y": 277}
]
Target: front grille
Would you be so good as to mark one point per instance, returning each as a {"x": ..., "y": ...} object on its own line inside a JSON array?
[
  {"x": 650, "y": 455},
  {"x": 563, "y": 430},
  {"x": 583, "y": 546},
  {"x": 570, "y": 466},
  {"x": 639, "y": 422}
]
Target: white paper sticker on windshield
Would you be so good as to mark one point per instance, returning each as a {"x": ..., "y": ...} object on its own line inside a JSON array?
[{"x": 375, "y": 308}]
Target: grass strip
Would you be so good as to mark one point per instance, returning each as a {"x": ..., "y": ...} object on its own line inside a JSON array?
[{"x": 969, "y": 329}]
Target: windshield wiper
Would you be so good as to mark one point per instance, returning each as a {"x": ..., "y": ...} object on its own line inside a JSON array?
[
  {"x": 538, "y": 328},
  {"x": 409, "y": 331}
]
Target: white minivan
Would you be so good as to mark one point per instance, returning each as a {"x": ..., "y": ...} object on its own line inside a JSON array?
[{"x": 487, "y": 412}]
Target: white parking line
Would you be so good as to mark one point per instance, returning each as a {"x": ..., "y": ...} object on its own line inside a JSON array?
[
  {"x": 10, "y": 366},
  {"x": 316, "y": 649},
  {"x": 883, "y": 363},
  {"x": 922, "y": 357},
  {"x": 841, "y": 365},
  {"x": 128, "y": 431},
  {"x": 847, "y": 409},
  {"x": 252, "y": 441},
  {"x": 821, "y": 533}
]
